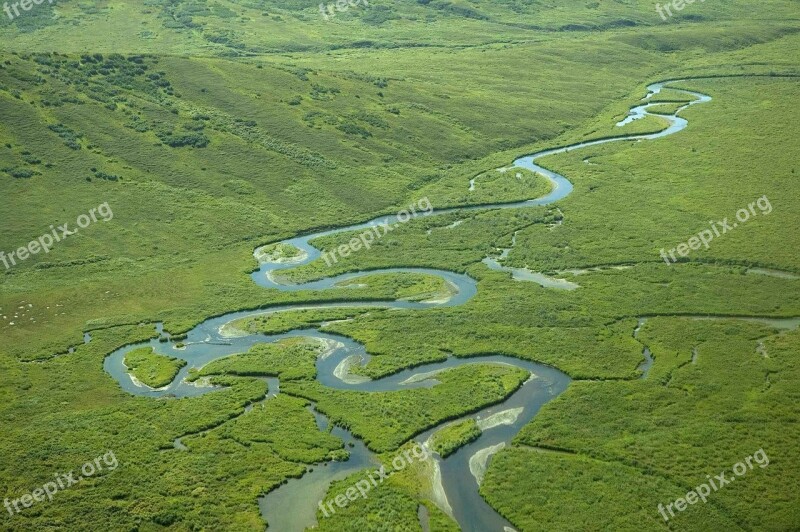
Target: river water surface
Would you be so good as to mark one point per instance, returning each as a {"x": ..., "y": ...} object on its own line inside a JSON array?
[{"x": 292, "y": 506}]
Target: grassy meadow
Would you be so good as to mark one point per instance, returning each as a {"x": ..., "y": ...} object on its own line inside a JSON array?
[
  {"x": 152, "y": 369},
  {"x": 213, "y": 128}
]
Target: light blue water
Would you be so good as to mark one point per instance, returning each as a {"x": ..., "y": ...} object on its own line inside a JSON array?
[{"x": 292, "y": 506}]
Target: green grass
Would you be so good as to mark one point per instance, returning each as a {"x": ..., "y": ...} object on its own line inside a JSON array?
[
  {"x": 696, "y": 191},
  {"x": 384, "y": 421},
  {"x": 251, "y": 123},
  {"x": 291, "y": 358},
  {"x": 396, "y": 501},
  {"x": 240, "y": 29},
  {"x": 450, "y": 438},
  {"x": 666, "y": 108},
  {"x": 507, "y": 184},
  {"x": 412, "y": 287},
  {"x": 278, "y": 252},
  {"x": 384, "y": 504},
  {"x": 152, "y": 369},
  {"x": 281, "y": 322},
  {"x": 628, "y": 497},
  {"x": 286, "y": 426},
  {"x": 181, "y": 263},
  {"x": 663, "y": 435}
]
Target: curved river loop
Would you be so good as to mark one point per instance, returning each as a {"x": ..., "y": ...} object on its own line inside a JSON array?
[{"x": 292, "y": 506}]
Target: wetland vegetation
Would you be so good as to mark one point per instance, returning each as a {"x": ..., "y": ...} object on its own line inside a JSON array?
[
  {"x": 152, "y": 369},
  {"x": 215, "y": 128}
]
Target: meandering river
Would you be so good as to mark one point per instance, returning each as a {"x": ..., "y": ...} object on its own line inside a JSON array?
[{"x": 292, "y": 506}]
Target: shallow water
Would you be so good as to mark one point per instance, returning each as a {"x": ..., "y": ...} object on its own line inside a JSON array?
[{"x": 293, "y": 505}]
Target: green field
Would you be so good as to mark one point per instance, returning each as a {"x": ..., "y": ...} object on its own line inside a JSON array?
[
  {"x": 447, "y": 440},
  {"x": 152, "y": 369},
  {"x": 212, "y": 128}
]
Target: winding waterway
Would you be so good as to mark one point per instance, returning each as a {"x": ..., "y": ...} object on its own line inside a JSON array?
[{"x": 292, "y": 506}]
